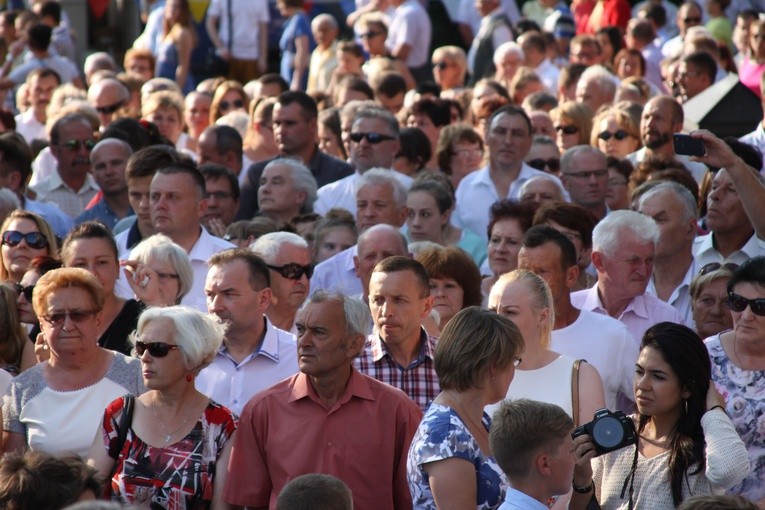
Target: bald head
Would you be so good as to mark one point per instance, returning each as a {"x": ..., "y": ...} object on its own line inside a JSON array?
[
  {"x": 376, "y": 244},
  {"x": 107, "y": 96}
]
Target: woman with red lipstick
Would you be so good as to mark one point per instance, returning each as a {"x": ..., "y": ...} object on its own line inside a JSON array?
[
  {"x": 687, "y": 445},
  {"x": 175, "y": 454}
]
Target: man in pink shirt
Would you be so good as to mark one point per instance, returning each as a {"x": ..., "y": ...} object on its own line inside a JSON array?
[{"x": 329, "y": 419}]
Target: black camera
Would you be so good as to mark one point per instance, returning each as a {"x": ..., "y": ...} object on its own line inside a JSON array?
[{"x": 609, "y": 431}]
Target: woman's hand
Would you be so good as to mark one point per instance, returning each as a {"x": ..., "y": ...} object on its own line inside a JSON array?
[
  {"x": 143, "y": 280},
  {"x": 583, "y": 451},
  {"x": 714, "y": 398}
]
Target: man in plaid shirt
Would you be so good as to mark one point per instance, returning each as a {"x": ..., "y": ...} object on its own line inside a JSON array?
[{"x": 399, "y": 352}]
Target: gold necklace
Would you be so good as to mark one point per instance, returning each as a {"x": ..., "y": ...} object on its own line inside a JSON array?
[{"x": 480, "y": 427}]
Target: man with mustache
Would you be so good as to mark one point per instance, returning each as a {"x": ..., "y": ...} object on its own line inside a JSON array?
[
  {"x": 662, "y": 117},
  {"x": 255, "y": 354},
  {"x": 40, "y": 85}
]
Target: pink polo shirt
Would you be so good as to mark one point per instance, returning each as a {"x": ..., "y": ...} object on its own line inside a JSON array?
[{"x": 286, "y": 431}]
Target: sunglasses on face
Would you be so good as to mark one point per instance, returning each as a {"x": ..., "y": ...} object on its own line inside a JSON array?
[
  {"x": 567, "y": 130},
  {"x": 56, "y": 319},
  {"x": 156, "y": 349},
  {"x": 107, "y": 110},
  {"x": 441, "y": 65},
  {"x": 25, "y": 291},
  {"x": 74, "y": 145},
  {"x": 739, "y": 303},
  {"x": 34, "y": 239},
  {"x": 714, "y": 266},
  {"x": 293, "y": 271},
  {"x": 369, "y": 35},
  {"x": 373, "y": 138},
  {"x": 236, "y": 103},
  {"x": 619, "y": 135},
  {"x": 553, "y": 164}
]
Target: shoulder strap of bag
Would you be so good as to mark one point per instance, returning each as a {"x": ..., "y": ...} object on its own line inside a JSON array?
[
  {"x": 575, "y": 392},
  {"x": 230, "y": 26},
  {"x": 126, "y": 419}
]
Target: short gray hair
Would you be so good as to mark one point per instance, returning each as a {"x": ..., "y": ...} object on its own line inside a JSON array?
[
  {"x": 367, "y": 112},
  {"x": 605, "y": 236},
  {"x": 602, "y": 76},
  {"x": 355, "y": 311},
  {"x": 302, "y": 180},
  {"x": 9, "y": 202},
  {"x": 681, "y": 192},
  {"x": 507, "y": 48},
  {"x": 567, "y": 158},
  {"x": 161, "y": 248},
  {"x": 111, "y": 141},
  {"x": 544, "y": 177},
  {"x": 199, "y": 335},
  {"x": 267, "y": 246},
  {"x": 379, "y": 176}
]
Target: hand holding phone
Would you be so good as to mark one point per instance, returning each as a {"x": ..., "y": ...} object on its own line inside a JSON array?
[{"x": 686, "y": 145}]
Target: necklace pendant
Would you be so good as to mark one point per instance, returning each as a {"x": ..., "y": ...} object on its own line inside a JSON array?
[{"x": 167, "y": 438}]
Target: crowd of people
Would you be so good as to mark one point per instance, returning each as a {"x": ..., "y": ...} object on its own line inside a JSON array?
[{"x": 381, "y": 273}]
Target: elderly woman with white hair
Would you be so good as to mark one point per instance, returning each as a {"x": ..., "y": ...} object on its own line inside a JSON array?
[
  {"x": 287, "y": 188},
  {"x": 168, "y": 448},
  {"x": 508, "y": 58},
  {"x": 159, "y": 271},
  {"x": 449, "y": 67}
]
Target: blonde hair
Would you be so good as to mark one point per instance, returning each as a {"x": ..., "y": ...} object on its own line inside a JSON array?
[
  {"x": 542, "y": 298},
  {"x": 163, "y": 99},
  {"x": 42, "y": 226},
  {"x": 578, "y": 114},
  {"x": 623, "y": 119}
]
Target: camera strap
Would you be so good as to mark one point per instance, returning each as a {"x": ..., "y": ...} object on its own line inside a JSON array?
[
  {"x": 575, "y": 392},
  {"x": 631, "y": 476}
]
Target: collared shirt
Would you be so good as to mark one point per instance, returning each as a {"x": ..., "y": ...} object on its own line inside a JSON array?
[
  {"x": 549, "y": 74},
  {"x": 338, "y": 274},
  {"x": 287, "y": 431},
  {"x": 342, "y": 193},
  {"x": 101, "y": 212},
  {"x": 29, "y": 127},
  {"x": 418, "y": 380},
  {"x": 641, "y": 313},
  {"x": 72, "y": 202},
  {"x": 476, "y": 193},
  {"x": 517, "y": 500},
  {"x": 705, "y": 252},
  {"x": 234, "y": 384},
  {"x": 681, "y": 296}
]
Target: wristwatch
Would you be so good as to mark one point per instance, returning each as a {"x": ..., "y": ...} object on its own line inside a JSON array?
[{"x": 583, "y": 490}]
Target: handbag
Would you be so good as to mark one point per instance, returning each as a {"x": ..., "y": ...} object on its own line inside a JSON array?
[{"x": 128, "y": 403}]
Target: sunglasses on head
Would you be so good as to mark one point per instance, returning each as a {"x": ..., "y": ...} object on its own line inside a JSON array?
[
  {"x": 293, "y": 271},
  {"x": 567, "y": 130},
  {"x": 156, "y": 349},
  {"x": 739, "y": 303},
  {"x": 34, "y": 239},
  {"x": 25, "y": 291},
  {"x": 714, "y": 266},
  {"x": 236, "y": 103},
  {"x": 373, "y": 138},
  {"x": 74, "y": 145},
  {"x": 56, "y": 319},
  {"x": 619, "y": 135},
  {"x": 107, "y": 110},
  {"x": 539, "y": 163}
]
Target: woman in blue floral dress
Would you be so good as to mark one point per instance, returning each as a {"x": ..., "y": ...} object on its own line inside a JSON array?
[
  {"x": 449, "y": 461},
  {"x": 738, "y": 369}
]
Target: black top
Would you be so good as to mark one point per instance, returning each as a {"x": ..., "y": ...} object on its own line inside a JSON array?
[
  {"x": 115, "y": 337},
  {"x": 325, "y": 169}
]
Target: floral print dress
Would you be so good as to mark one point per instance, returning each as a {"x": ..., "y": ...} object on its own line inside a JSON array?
[
  {"x": 442, "y": 435},
  {"x": 744, "y": 391}
]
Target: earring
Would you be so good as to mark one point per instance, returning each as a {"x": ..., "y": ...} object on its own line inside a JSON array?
[
  {"x": 686, "y": 406},
  {"x": 45, "y": 346},
  {"x": 189, "y": 377}
]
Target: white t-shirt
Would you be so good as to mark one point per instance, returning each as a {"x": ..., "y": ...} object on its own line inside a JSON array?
[
  {"x": 607, "y": 345},
  {"x": 411, "y": 25},
  {"x": 248, "y": 14}
]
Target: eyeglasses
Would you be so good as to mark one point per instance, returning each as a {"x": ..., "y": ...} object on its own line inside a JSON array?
[
  {"x": 567, "y": 130},
  {"x": 466, "y": 153},
  {"x": 616, "y": 182},
  {"x": 619, "y": 135},
  {"x": 441, "y": 65},
  {"x": 74, "y": 145},
  {"x": 77, "y": 316},
  {"x": 107, "y": 110},
  {"x": 714, "y": 266},
  {"x": 373, "y": 138},
  {"x": 293, "y": 271},
  {"x": 220, "y": 195},
  {"x": 236, "y": 103},
  {"x": 167, "y": 276},
  {"x": 739, "y": 303},
  {"x": 588, "y": 174},
  {"x": 156, "y": 349},
  {"x": 692, "y": 20},
  {"x": 369, "y": 35},
  {"x": 34, "y": 239},
  {"x": 26, "y": 291},
  {"x": 539, "y": 163}
]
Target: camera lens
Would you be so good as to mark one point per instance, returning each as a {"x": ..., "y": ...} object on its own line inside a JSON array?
[{"x": 607, "y": 432}]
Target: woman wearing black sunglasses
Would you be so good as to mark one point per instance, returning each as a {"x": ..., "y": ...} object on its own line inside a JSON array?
[
  {"x": 738, "y": 368},
  {"x": 55, "y": 406},
  {"x": 615, "y": 133},
  {"x": 25, "y": 235},
  {"x": 175, "y": 453}
]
